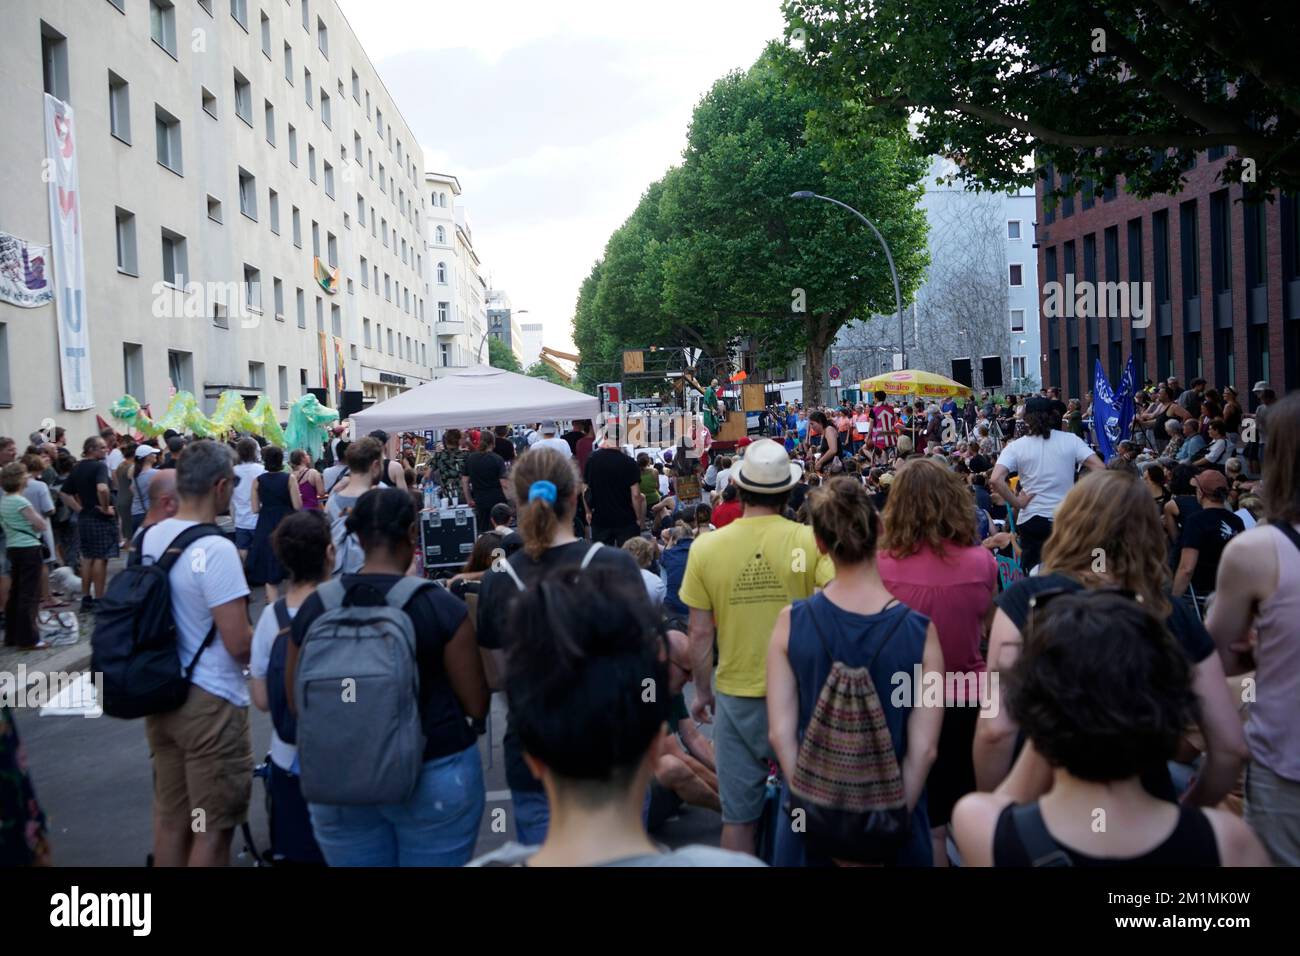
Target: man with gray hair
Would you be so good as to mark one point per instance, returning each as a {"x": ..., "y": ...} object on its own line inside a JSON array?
[
  {"x": 202, "y": 752},
  {"x": 163, "y": 502}
]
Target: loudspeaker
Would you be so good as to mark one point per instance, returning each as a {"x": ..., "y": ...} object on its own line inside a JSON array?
[
  {"x": 961, "y": 371},
  {"x": 992, "y": 371},
  {"x": 322, "y": 395},
  {"x": 352, "y": 403}
]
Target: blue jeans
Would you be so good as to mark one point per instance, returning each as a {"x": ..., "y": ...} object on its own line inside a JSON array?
[
  {"x": 437, "y": 826},
  {"x": 532, "y": 816}
]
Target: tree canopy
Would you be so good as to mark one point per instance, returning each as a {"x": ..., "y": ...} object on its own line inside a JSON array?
[
  {"x": 1097, "y": 88},
  {"x": 544, "y": 371},
  {"x": 501, "y": 356},
  {"x": 718, "y": 255}
]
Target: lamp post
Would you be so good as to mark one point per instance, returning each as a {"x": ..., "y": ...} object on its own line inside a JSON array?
[
  {"x": 488, "y": 331},
  {"x": 898, "y": 297}
]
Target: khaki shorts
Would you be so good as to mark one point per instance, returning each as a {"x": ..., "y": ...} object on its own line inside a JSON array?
[{"x": 202, "y": 760}]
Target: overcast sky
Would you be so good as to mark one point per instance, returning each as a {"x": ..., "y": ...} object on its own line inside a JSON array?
[{"x": 554, "y": 116}]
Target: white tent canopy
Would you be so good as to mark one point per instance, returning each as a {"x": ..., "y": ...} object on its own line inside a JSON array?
[{"x": 479, "y": 395}]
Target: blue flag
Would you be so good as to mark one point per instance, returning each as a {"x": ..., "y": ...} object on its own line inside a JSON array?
[
  {"x": 1105, "y": 413},
  {"x": 1125, "y": 406}
]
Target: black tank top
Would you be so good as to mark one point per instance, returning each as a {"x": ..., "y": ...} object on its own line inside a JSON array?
[
  {"x": 1191, "y": 844},
  {"x": 383, "y": 475}
]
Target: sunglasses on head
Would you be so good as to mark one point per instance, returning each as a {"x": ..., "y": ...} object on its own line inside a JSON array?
[{"x": 1039, "y": 601}]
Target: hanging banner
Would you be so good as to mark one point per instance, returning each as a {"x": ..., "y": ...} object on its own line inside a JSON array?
[
  {"x": 326, "y": 278},
  {"x": 24, "y": 273},
  {"x": 70, "y": 267},
  {"x": 340, "y": 370},
  {"x": 324, "y": 360}
]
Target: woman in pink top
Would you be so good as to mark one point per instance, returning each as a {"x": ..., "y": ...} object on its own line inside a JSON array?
[
  {"x": 309, "y": 481},
  {"x": 931, "y": 560},
  {"x": 1255, "y": 622}
]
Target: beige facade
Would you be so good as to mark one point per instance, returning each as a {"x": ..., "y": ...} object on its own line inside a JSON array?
[{"x": 224, "y": 144}]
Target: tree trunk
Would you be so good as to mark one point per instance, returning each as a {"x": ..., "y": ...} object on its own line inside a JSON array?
[{"x": 812, "y": 376}]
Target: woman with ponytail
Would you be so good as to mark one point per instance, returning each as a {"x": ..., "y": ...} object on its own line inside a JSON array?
[{"x": 546, "y": 492}]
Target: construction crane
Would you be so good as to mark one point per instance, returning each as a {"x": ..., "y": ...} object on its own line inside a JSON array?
[{"x": 549, "y": 356}]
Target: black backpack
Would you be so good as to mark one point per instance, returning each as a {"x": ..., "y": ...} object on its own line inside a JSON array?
[
  {"x": 277, "y": 697},
  {"x": 134, "y": 641}
]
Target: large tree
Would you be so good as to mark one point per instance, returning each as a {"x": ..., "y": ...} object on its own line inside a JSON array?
[
  {"x": 543, "y": 371},
  {"x": 1097, "y": 88},
  {"x": 718, "y": 254},
  {"x": 501, "y": 356}
]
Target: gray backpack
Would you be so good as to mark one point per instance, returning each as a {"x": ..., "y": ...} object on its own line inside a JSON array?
[{"x": 357, "y": 687}]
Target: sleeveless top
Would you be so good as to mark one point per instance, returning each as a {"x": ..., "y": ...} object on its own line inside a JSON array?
[
  {"x": 855, "y": 639},
  {"x": 1191, "y": 844},
  {"x": 1273, "y": 728},
  {"x": 310, "y": 501},
  {"x": 273, "y": 496}
]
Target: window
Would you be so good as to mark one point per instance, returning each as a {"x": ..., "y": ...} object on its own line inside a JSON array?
[
  {"x": 367, "y": 104},
  {"x": 356, "y": 87},
  {"x": 306, "y": 86},
  {"x": 180, "y": 370},
  {"x": 125, "y": 231},
  {"x": 1018, "y": 367},
  {"x": 388, "y": 287},
  {"x": 302, "y": 308},
  {"x": 257, "y": 375},
  {"x": 278, "y": 290},
  {"x": 336, "y": 320},
  {"x": 119, "y": 107},
  {"x": 1189, "y": 249},
  {"x": 293, "y": 145},
  {"x": 315, "y": 238},
  {"x": 282, "y": 376},
  {"x": 325, "y": 115},
  {"x": 1017, "y": 275},
  {"x": 252, "y": 288},
  {"x": 440, "y": 236},
  {"x": 444, "y": 309},
  {"x": 239, "y": 10},
  {"x": 268, "y": 112},
  {"x": 168, "y": 132},
  {"x": 306, "y": 17},
  {"x": 383, "y": 188},
  {"x": 273, "y": 199},
  {"x": 356, "y": 147},
  {"x": 361, "y": 209},
  {"x": 444, "y": 353},
  {"x": 248, "y": 194},
  {"x": 243, "y": 98},
  {"x": 1013, "y": 228},
  {"x": 173, "y": 258},
  {"x": 332, "y": 249},
  {"x": 214, "y": 208},
  {"x": 288, "y": 63},
  {"x": 121, "y": 4},
  {"x": 1017, "y": 320},
  {"x": 311, "y": 162},
  {"x": 365, "y": 331},
  {"x": 323, "y": 37},
  {"x": 1220, "y": 241},
  {"x": 365, "y": 274},
  {"x": 266, "y": 35},
  {"x": 329, "y": 179},
  {"x": 162, "y": 25},
  {"x": 209, "y": 101},
  {"x": 320, "y": 314},
  {"x": 133, "y": 370},
  {"x": 54, "y": 62},
  {"x": 297, "y": 227},
  {"x": 390, "y": 342}
]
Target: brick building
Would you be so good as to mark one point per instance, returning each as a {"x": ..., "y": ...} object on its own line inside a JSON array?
[{"x": 1224, "y": 283}]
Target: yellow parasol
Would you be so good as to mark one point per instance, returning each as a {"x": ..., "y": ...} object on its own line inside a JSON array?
[{"x": 913, "y": 382}]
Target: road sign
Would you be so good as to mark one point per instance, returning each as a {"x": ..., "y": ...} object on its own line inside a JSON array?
[
  {"x": 633, "y": 362},
  {"x": 835, "y": 376}
]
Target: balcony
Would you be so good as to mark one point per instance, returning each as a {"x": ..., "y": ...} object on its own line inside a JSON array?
[{"x": 448, "y": 328}]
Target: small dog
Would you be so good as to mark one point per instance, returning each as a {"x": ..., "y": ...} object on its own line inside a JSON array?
[{"x": 65, "y": 579}]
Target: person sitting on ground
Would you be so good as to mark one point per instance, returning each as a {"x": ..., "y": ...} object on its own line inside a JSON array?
[
  {"x": 1102, "y": 694},
  {"x": 644, "y": 553},
  {"x": 584, "y": 644}
]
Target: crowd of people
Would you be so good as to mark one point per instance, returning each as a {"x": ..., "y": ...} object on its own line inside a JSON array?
[{"x": 926, "y": 634}]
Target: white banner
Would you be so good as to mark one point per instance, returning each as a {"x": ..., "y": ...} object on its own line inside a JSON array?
[
  {"x": 23, "y": 273},
  {"x": 69, "y": 261}
]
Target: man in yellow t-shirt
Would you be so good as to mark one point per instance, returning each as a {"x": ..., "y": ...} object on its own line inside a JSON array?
[{"x": 738, "y": 578}]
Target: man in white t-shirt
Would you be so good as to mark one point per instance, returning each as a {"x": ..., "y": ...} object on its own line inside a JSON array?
[
  {"x": 549, "y": 439},
  {"x": 115, "y": 456},
  {"x": 1046, "y": 459},
  {"x": 202, "y": 753}
]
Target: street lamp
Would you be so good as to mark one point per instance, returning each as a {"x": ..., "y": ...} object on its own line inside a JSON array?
[
  {"x": 487, "y": 332},
  {"x": 898, "y": 297}
]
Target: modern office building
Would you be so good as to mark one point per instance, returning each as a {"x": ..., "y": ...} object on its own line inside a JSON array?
[
  {"x": 531, "y": 336},
  {"x": 1202, "y": 284},
  {"x": 249, "y": 207}
]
